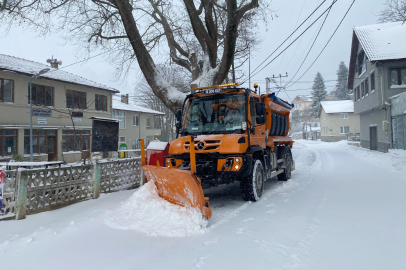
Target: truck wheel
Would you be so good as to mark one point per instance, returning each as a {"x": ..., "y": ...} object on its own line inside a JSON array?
[
  {"x": 252, "y": 187},
  {"x": 287, "y": 171}
]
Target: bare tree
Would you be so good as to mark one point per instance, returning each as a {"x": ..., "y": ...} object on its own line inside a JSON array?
[
  {"x": 144, "y": 97},
  {"x": 394, "y": 11},
  {"x": 203, "y": 37}
]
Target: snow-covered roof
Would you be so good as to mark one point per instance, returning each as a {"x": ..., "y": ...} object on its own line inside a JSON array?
[
  {"x": 338, "y": 106},
  {"x": 118, "y": 105},
  {"x": 383, "y": 41},
  {"x": 304, "y": 98},
  {"x": 27, "y": 67}
]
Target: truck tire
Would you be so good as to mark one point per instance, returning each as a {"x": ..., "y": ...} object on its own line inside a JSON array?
[
  {"x": 286, "y": 154},
  {"x": 252, "y": 187}
]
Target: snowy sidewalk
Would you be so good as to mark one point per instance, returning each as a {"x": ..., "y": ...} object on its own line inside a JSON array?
[{"x": 344, "y": 208}]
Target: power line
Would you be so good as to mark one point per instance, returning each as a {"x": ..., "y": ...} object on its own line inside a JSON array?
[
  {"x": 311, "y": 47},
  {"x": 293, "y": 41},
  {"x": 297, "y": 20},
  {"x": 289, "y": 36},
  {"x": 326, "y": 43}
]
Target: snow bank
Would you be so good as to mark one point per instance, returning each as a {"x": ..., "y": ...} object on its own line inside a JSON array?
[
  {"x": 148, "y": 213},
  {"x": 394, "y": 160}
]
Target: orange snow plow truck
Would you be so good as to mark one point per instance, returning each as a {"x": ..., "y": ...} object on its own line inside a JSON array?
[{"x": 224, "y": 134}]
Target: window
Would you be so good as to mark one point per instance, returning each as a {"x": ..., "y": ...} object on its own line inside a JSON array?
[
  {"x": 39, "y": 140},
  {"x": 372, "y": 81},
  {"x": 75, "y": 141},
  {"x": 362, "y": 62},
  {"x": 366, "y": 86},
  {"x": 120, "y": 116},
  {"x": 41, "y": 95},
  {"x": 355, "y": 94},
  {"x": 8, "y": 142},
  {"x": 6, "y": 90},
  {"x": 157, "y": 122},
  {"x": 299, "y": 105},
  {"x": 101, "y": 103},
  {"x": 344, "y": 130},
  {"x": 398, "y": 76},
  {"x": 147, "y": 125},
  {"x": 344, "y": 116},
  {"x": 136, "y": 120},
  {"x": 121, "y": 139},
  {"x": 75, "y": 100},
  {"x": 358, "y": 93},
  {"x": 136, "y": 144},
  {"x": 362, "y": 90}
]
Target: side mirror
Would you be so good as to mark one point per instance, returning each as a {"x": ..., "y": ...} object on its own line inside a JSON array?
[
  {"x": 178, "y": 117},
  {"x": 260, "y": 120},
  {"x": 259, "y": 108}
]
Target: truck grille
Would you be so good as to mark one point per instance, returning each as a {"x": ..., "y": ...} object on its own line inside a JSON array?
[{"x": 208, "y": 145}]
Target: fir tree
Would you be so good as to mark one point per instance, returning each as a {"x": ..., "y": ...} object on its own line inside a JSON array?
[
  {"x": 342, "y": 91},
  {"x": 319, "y": 94}
]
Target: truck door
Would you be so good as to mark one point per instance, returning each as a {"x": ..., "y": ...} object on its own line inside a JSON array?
[{"x": 258, "y": 136}]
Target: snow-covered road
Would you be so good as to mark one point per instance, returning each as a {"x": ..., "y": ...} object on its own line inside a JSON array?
[{"x": 344, "y": 208}]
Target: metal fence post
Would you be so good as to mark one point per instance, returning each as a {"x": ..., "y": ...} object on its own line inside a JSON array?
[
  {"x": 96, "y": 180},
  {"x": 22, "y": 182}
]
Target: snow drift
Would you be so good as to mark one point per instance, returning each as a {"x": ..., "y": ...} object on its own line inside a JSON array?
[{"x": 148, "y": 213}]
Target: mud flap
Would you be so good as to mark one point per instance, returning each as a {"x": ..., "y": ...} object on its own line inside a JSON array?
[{"x": 178, "y": 187}]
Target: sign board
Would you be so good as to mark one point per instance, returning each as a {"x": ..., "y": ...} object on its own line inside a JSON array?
[
  {"x": 1, "y": 187},
  {"x": 104, "y": 136},
  {"x": 41, "y": 112},
  {"x": 77, "y": 114},
  {"x": 77, "y": 119},
  {"x": 212, "y": 91},
  {"x": 42, "y": 121},
  {"x": 330, "y": 130}
]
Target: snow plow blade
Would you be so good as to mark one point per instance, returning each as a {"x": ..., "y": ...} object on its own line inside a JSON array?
[
  {"x": 181, "y": 187},
  {"x": 178, "y": 187}
]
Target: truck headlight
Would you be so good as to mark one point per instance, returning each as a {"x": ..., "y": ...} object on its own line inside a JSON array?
[
  {"x": 236, "y": 167},
  {"x": 237, "y": 160}
]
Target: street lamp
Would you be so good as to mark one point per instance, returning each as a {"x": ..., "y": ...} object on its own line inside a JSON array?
[{"x": 35, "y": 76}]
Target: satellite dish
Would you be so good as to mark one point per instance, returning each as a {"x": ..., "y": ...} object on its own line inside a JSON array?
[
  {"x": 49, "y": 61},
  {"x": 60, "y": 62}
]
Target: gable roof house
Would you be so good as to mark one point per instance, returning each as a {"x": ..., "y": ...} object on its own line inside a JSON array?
[
  {"x": 62, "y": 106},
  {"x": 302, "y": 102},
  {"x": 337, "y": 120},
  {"x": 377, "y": 72},
  {"x": 135, "y": 122}
]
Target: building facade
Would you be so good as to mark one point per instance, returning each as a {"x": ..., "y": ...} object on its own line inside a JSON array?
[
  {"x": 398, "y": 118},
  {"x": 135, "y": 122},
  {"x": 302, "y": 102},
  {"x": 337, "y": 120},
  {"x": 62, "y": 106},
  {"x": 377, "y": 72}
]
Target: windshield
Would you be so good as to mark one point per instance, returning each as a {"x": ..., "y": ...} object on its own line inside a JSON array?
[{"x": 215, "y": 114}]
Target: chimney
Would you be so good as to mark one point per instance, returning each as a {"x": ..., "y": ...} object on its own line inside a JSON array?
[
  {"x": 124, "y": 98},
  {"x": 54, "y": 62}
]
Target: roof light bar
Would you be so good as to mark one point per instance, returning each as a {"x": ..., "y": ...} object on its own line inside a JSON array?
[{"x": 216, "y": 86}]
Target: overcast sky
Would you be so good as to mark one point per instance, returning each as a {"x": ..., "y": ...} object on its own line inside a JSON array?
[{"x": 25, "y": 44}]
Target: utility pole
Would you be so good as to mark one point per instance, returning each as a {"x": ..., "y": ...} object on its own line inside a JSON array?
[{"x": 274, "y": 81}]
